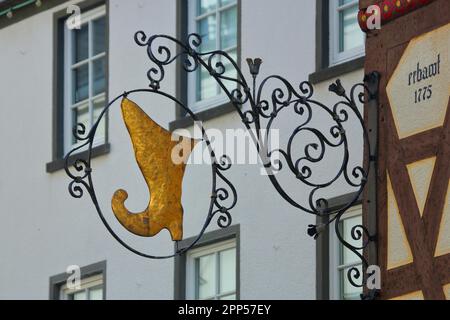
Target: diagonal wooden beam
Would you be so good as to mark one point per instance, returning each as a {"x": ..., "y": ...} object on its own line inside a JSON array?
[
  {"x": 412, "y": 222},
  {"x": 434, "y": 206}
]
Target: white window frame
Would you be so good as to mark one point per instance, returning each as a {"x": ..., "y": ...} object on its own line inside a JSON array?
[
  {"x": 337, "y": 57},
  {"x": 192, "y": 76},
  {"x": 86, "y": 285},
  {"x": 335, "y": 267},
  {"x": 193, "y": 254},
  {"x": 87, "y": 17}
]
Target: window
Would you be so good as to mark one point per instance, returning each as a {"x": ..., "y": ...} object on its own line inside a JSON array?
[
  {"x": 90, "y": 289},
  {"x": 92, "y": 284},
  {"x": 211, "y": 272},
  {"x": 216, "y": 22},
  {"x": 340, "y": 43},
  {"x": 342, "y": 259},
  {"x": 80, "y": 81},
  {"x": 85, "y": 76},
  {"x": 346, "y": 38}
]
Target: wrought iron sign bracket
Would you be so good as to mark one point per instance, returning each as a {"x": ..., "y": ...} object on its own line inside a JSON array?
[
  {"x": 258, "y": 106},
  {"x": 372, "y": 81}
]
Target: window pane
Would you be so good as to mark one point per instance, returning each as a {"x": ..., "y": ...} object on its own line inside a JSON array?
[
  {"x": 80, "y": 83},
  {"x": 99, "y": 67},
  {"x": 81, "y": 295},
  {"x": 99, "y": 35},
  {"x": 228, "y": 28},
  {"x": 205, "y": 6},
  {"x": 342, "y": 2},
  {"x": 348, "y": 291},
  {"x": 230, "y": 71},
  {"x": 206, "y": 85},
  {"x": 227, "y": 269},
  {"x": 347, "y": 225},
  {"x": 223, "y": 3},
  {"x": 350, "y": 36},
  {"x": 80, "y": 115},
  {"x": 230, "y": 297},
  {"x": 96, "y": 294},
  {"x": 206, "y": 275},
  {"x": 81, "y": 43},
  {"x": 207, "y": 29},
  {"x": 99, "y": 105}
]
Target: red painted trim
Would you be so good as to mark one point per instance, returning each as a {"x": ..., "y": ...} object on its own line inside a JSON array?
[{"x": 390, "y": 10}]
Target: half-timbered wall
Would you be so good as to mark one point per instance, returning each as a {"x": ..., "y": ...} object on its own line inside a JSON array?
[{"x": 411, "y": 52}]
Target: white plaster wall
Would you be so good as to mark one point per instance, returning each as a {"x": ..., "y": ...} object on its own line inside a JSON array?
[{"x": 44, "y": 230}]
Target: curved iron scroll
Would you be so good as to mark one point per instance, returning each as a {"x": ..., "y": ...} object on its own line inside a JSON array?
[{"x": 265, "y": 106}]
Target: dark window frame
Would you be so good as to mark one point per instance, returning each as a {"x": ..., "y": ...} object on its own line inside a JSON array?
[
  {"x": 57, "y": 281},
  {"x": 209, "y": 238},
  {"x": 323, "y": 247},
  {"x": 181, "y": 119},
  {"x": 58, "y": 129},
  {"x": 323, "y": 69}
]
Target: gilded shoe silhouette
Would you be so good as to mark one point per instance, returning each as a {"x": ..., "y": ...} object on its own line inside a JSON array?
[{"x": 153, "y": 148}]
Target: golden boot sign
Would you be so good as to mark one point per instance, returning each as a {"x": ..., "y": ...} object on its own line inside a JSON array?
[{"x": 163, "y": 176}]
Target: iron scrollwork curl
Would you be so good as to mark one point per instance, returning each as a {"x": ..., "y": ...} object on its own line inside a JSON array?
[{"x": 262, "y": 113}]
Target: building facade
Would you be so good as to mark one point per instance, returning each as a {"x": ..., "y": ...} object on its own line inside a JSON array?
[{"x": 53, "y": 76}]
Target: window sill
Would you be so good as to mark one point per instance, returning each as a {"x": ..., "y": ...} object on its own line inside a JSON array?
[
  {"x": 204, "y": 115},
  {"x": 59, "y": 164},
  {"x": 337, "y": 70}
]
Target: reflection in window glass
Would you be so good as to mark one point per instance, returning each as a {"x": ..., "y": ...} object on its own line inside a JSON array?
[
  {"x": 230, "y": 72},
  {"x": 96, "y": 294},
  {"x": 80, "y": 115},
  {"x": 216, "y": 23},
  {"x": 85, "y": 75},
  {"x": 81, "y": 43},
  {"x": 224, "y": 3},
  {"x": 99, "y": 105},
  {"x": 348, "y": 259},
  {"x": 207, "y": 30},
  {"x": 99, "y": 33},
  {"x": 230, "y": 297},
  {"x": 206, "y": 269},
  {"x": 90, "y": 288},
  {"x": 79, "y": 295},
  {"x": 347, "y": 225},
  {"x": 206, "y": 6},
  {"x": 350, "y": 35},
  {"x": 346, "y": 38},
  {"x": 207, "y": 85},
  {"x": 99, "y": 68},
  {"x": 81, "y": 83},
  {"x": 348, "y": 291},
  {"x": 215, "y": 274},
  {"x": 227, "y": 271},
  {"x": 228, "y": 28}
]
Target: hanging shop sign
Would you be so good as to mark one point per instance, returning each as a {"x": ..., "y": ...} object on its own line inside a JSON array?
[{"x": 258, "y": 104}]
